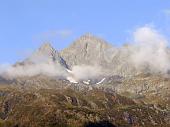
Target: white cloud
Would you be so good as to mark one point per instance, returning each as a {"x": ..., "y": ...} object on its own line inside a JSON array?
[
  {"x": 150, "y": 49},
  {"x": 84, "y": 72},
  {"x": 49, "y": 69}
]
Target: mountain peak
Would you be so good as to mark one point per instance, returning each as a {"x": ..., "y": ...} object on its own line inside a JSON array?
[
  {"x": 88, "y": 49},
  {"x": 89, "y": 39},
  {"x": 46, "y": 47},
  {"x": 46, "y": 53},
  {"x": 46, "y": 44},
  {"x": 89, "y": 36}
]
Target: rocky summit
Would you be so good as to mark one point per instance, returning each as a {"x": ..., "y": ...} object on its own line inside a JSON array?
[
  {"x": 92, "y": 50},
  {"x": 45, "y": 54},
  {"x": 90, "y": 83}
]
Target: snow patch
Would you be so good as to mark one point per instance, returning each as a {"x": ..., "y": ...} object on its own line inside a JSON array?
[
  {"x": 101, "y": 81},
  {"x": 69, "y": 71},
  {"x": 72, "y": 80},
  {"x": 86, "y": 82}
]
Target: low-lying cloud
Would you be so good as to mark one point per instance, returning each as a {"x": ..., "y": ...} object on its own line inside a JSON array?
[
  {"x": 84, "y": 72},
  {"x": 49, "y": 69},
  {"x": 150, "y": 49},
  {"x": 78, "y": 73}
]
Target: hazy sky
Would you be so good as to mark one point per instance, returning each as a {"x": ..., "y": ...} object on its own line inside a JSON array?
[{"x": 25, "y": 24}]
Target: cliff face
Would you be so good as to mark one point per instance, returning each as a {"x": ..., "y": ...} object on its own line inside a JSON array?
[
  {"x": 88, "y": 49},
  {"x": 91, "y": 50}
]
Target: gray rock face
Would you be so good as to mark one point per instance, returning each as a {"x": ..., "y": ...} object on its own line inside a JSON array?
[
  {"x": 87, "y": 50},
  {"x": 46, "y": 53},
  {"x": 90, "y": 50}
]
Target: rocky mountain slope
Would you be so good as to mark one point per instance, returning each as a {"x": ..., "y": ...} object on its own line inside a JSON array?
[
  {"x": 88, "y": 49},
  {"x": 91, "y": 50},
  {"x": 44, "y": 90},
  {"x": 67, "y": 107},
  {"x": 46, "y": 54}
]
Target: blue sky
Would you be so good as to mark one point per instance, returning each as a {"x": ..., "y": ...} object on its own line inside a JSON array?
[{"x": 26, "y": 24}]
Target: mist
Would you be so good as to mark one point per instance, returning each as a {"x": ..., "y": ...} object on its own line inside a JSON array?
[
  {"x": 150, "y": 49},
  {"x": 84, "y": 72},
  {"x": 48, "y": 69},
  {"x": 78, "y": 72}
]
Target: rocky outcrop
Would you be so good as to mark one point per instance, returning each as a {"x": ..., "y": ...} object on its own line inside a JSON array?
[
  {"x": 88, "y": 49},
  {"x": 91, "y": 50}
]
